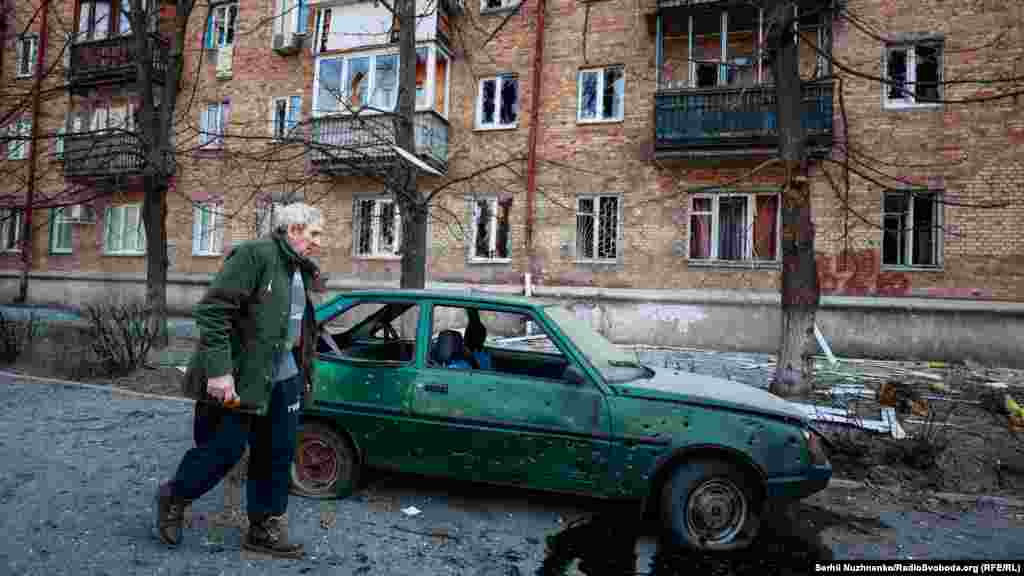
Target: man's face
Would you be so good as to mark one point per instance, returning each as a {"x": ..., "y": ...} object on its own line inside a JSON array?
[{"x": 305, "y": 239}]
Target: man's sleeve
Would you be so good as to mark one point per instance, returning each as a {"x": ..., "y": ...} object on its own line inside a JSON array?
[{"x": 216, "y": 311}]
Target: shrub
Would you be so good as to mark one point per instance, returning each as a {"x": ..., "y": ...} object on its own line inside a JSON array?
[{"x": 121, "y": 335}]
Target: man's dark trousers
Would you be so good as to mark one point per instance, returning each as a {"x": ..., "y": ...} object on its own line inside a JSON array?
[{"x": 221, "y": 435}]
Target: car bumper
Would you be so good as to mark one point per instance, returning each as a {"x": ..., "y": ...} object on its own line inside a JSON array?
[{"x": 798, "y": 487}]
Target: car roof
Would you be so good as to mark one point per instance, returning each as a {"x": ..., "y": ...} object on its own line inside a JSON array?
[{"x": 466, "y": 296}]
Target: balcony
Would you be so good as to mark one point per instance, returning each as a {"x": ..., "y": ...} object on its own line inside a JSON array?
[
  {"x": 346, "y": 145},
  {"x": 694, "y": 122},
  {"x": 112, "y": 61},
  {"x": 100, "y": 155}
]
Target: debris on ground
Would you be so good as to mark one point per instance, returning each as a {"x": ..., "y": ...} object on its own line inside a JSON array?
[{"x": 411, "y": 511}]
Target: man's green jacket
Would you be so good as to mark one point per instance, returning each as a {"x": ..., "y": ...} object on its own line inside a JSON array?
[{"x": 243, "y": 320}]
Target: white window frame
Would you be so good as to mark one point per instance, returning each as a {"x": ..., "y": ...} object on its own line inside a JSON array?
[
  {"x": 58, "y": 221},
  {"x": 595, "y": 235},
  {"x": 431, "y": 82},
  {"x": 937, "y": 231},
  {"x": 19, "y": 140},
  {"x": 10, "y": 217},
  {"x": 287, "y": 17},
  {"x": 505, "y": 5},
  {"x": 601, "y": 73},
  {"x": 492, "y": 241},
  {"x": 499, "y": 81},
  {"x": 292, "y": 109},
  {"x": 141, "y": 234},
  {"x": 208, "y": 240},
  {"x": 211, "y": 137},
  {"x": 221, "y": 13},
  {"x": 748, "y": 228},
  {"x": 375, "y": 219},
  {"x": 28, "y": 42},
  {"x": 911, "y": 74}
]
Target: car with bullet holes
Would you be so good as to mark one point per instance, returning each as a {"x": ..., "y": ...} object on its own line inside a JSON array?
[{"x": 515, "y": 391}]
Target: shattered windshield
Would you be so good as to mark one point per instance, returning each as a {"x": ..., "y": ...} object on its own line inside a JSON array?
[{"x": 615, "y": 364}]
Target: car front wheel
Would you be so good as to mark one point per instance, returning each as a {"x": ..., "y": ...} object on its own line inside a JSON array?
[
  {"x": 325, "y": 464},
  {"x": 710, "y": 505}
]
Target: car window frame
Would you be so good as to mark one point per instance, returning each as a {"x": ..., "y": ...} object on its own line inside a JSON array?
[
  {"x": 554, "y": 337},
  {"x": 415, "y": 361}
]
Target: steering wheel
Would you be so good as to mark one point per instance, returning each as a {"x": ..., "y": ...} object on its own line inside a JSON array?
[{"x": 389, "y": 331}]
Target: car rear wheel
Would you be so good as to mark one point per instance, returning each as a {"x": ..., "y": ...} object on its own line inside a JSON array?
[
  {"x": 711, "y": 505},
  {"x": 325, "y": 464}
]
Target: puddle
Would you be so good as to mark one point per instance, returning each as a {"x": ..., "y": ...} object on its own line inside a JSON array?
[{"x": 606, "y": 544}]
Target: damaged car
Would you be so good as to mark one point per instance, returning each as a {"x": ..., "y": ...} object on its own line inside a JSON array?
[{"x": 514, "y": 391}]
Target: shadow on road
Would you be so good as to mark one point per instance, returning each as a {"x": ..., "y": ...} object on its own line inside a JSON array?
[{"x": 605, "y": 544}]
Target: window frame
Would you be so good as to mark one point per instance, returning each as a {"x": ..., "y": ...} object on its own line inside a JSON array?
[
  {"x": 19, "y": 143},
  {"x": 292, "y": 117},
  {"x": 6, "y": 216},
  {"x": 290, "y": 17},
  {"x": 375, "y": 252},
  {"x": 213, "y": 139},
  {"x": 595, "y": 238},
  {"x": 216, "y": 230},
  {"x": 218, "y": 12},
  {"x": 107, "y": 251},
  {"x": 910, "y": 48},
  {"x": 32, "y": 40},
  {"x": 506, "y": 6},
  {"x": 429, "y": 98},
  {"x": 493, "y": 203},
  {"x": 937, "y": 231},
  {"x": 748, "y": 238},
  {"x": 499, "y": 80},
  {"x": 58, "y": 220},
  {"x": 602, "y": 73}
]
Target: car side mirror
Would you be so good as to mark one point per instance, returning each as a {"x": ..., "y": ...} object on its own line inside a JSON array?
[{"x": 574, "y": 375}]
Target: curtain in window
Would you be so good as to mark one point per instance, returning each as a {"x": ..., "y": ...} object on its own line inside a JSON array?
[
  {"x": 732, "y": 219},
  {"x": 765, "y": 228}
]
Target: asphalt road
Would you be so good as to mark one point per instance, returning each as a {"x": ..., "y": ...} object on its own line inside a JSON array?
[{"x": 79, "y": 466}]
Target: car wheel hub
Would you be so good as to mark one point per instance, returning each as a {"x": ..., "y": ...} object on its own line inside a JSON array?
[
  {"x": 318, "y": 465},
  {"x": 716, "y": 511}
]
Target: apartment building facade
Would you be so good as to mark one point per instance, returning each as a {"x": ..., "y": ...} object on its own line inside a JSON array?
[{"x": 647, "y": 198}]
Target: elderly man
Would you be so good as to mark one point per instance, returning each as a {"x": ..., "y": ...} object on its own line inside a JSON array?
[{"x": 247, "y": 376}]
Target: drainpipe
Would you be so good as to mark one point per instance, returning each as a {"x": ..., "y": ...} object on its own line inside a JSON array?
[
  {"x": 531, "y": 167},
  {"x": 33, "y": 152}
]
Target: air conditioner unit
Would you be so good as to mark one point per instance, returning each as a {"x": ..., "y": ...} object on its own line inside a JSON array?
[
  {"x": 79, "y": 214},
  {"x": 285, "y": 44},
  {"x": 224, "y": 57}
]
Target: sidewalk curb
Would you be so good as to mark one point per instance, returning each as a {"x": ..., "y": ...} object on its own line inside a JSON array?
[
  {"x": 952, "y": 497},
  {"x": 102, "y": 387}
]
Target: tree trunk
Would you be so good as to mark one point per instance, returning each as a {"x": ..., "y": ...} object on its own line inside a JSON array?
[
  {"x": 410, "y": 201},
  {"x": 794, "y": 367},
  {"x": 154, "y": 213}
]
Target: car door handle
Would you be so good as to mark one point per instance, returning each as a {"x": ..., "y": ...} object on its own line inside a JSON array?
[{"x": 439, "y": 388}]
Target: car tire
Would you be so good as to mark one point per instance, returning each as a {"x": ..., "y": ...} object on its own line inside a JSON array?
[
  {"x": 325, "y": 464},
  {"x": 710, "y": 505}
]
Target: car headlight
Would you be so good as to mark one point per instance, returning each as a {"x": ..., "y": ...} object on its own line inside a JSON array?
[{"x": 816, "y": 448}]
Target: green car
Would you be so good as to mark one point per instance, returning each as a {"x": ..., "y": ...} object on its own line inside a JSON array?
[{"x": 512, "y": 391}]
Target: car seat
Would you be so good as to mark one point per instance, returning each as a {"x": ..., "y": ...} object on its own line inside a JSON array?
[{"x": 447, "y": 351}]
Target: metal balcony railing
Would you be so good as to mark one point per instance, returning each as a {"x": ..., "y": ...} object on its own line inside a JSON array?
[
  {"x": 112, "y": 60},
  {"x": 99, "y": 154},
  {"x": 353, "y": 144}
]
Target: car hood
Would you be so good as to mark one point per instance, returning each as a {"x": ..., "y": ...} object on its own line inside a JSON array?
[{"x": 684, "y": 386}]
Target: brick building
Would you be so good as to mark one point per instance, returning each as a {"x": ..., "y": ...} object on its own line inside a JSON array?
[{"x": 650, "y": 117}]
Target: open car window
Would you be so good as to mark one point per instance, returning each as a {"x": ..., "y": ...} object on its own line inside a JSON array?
[{"x": 372, "y": 331}]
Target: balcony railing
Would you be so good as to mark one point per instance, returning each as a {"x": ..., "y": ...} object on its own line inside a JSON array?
[
  {"x": 101, "y": 154},
  {"x": 734, "y": 120},
  {"x": 352, "y": 145},
  {"x": 112, "y": 61}
]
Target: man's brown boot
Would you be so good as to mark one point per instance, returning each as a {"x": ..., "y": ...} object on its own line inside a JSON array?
[
  {"x": 269, "y": 535},
  {"x": 169, "y": 512}
]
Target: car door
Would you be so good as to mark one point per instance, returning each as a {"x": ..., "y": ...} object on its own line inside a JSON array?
[
  {"x": 368, "y": 394},
  {"x": 513, "y": 427}
]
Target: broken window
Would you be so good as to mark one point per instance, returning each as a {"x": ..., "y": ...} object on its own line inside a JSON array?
[
  {"x": 914, "y": 74},
  {"x": 912, "y": 229},
  {"x": 498, "y": 102},
  {"x": 489, "y": 5},
  {"x": 597, "y": 228},
  {"x": 601, "y": 94},
  {"x": 734, "y": 227},
  {"x": 377, "y": 227},
  {"x": 491, "y": 228}
]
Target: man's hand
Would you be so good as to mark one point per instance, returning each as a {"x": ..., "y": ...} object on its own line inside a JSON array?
[{"x": 222, "y": 388}]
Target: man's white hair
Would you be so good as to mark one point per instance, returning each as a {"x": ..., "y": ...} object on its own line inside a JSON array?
[{"x": 296, "y": 213}]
